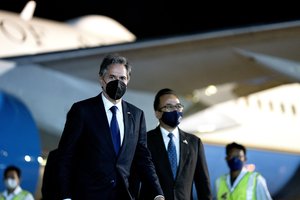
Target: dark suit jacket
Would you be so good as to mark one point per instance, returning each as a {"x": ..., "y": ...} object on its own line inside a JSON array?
[
  {"x": 88, "y": 166},
  {"x": 50, "y": 189},
  {"x": 192, "y": 167}
]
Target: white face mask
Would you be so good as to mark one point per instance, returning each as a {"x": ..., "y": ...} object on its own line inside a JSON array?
[{"x": 11, "y": 183}]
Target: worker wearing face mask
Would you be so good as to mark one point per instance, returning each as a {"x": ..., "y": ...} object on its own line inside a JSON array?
[
  {"x": 13, "y": 191},
  {"x": 240, "y": 183}
]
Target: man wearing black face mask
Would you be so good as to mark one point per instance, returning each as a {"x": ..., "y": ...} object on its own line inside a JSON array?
[
  {"x": 240, "y": 183},
  {"x": 102, "y": 138},
  {"x": 178, "y": 156}
]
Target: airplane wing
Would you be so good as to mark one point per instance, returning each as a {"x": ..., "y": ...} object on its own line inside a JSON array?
[
  {"x": 24, "y": 34},
  {"x": 191, "y": 63},
  {"x": 229, "y": 60}
]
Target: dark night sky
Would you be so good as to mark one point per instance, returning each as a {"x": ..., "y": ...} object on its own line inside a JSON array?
[{"x": 161, "y": 18}]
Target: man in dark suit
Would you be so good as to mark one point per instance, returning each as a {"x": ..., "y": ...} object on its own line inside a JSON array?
[
  {"x": 102, "y": 138},
  {"x": 178, "y": 156}
]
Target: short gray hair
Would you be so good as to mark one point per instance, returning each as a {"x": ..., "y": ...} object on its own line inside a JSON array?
[{"x": 114, "y": 59}]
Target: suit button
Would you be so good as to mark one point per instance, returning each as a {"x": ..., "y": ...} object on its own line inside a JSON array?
[{"x": 113, "y": 183}]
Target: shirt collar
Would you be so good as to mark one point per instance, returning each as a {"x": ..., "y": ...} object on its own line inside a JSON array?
[
  {"x": 108, "y": 104},
  {"x": 165, "y": 132},
  {"x": 15, "y": 192}
]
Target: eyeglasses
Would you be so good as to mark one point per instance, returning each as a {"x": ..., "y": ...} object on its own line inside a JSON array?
[{"x": 170, "y": 107}]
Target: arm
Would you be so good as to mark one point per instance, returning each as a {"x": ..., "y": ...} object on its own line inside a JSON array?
[
  {"x": 66, "y": 148},
  {"x": 159, "y": 197},
  {"x": 201, "y": 177},
  {"x": 262, "y": 191},
  {"x": 29, "y": 196},
  {"x": 143, "y": 161}
]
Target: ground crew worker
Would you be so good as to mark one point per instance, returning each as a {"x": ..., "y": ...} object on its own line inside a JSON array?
[
  {"x": 13, "y": 191},
  {"x": 240, "y": 183}
]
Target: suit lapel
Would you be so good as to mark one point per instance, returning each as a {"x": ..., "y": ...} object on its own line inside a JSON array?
[
  {"x": 162, "y": 153},
  {"x": 128, "y": 126},
  {"x": 103, "y": 125},
  {"x": 184, "y": 151}
]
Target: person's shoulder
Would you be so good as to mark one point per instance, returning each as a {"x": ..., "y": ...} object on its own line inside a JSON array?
[
  {"x": 27, "y": 194},
  {"x": 88, "y": 100},
  {"x": 190, "y": 136},
  {"x": 222, "y": 177},
  {"x": 255, "y": 173},
  {"x": 130, "y": 106},
  {"x": 258, "y": 175},
  {"x": 150, "y": 132},
  {"x": 53, "y": 154},
  {"x": 193, "y": 140},
  {"x": 153, "y": 132},
  {"x": 260, "y": 179}
]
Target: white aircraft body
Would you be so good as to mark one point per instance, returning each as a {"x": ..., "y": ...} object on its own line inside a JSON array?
[
  {"x": 23, "y": 34},
  {"x": 237, "y": 85}
]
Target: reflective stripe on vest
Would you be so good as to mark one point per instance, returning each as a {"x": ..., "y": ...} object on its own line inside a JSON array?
[
  {"x": 245, "y": 189},
  {"x": 19, "y": 196}
]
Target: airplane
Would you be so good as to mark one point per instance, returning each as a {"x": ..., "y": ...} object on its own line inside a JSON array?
[
  {"x": 206, "y": 69},
  {"x": 24, "y": 34}
]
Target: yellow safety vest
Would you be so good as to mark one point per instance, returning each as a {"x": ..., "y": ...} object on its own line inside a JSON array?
[
  {"x": 20, "y": 196},
  {"x": 245, "y": 189}
]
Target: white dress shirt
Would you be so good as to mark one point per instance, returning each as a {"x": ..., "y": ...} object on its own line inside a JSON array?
[
  {"x": 107, "y": 106},
  {"x": 175, "y": 139}
]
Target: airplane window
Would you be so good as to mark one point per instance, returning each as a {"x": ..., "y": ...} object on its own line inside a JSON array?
[
  {"x": 12, "y": 31},
  {"x": 259, "y": 104},
  {"x": 294, "y": 111},
  {"x": 247, "y": 101},
  {"x": 282, "y": 108},
  {"x": 271, "y": 106}
]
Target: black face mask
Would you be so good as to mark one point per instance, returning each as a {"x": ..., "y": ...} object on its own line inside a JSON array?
[{"x": 116, "y": 89}]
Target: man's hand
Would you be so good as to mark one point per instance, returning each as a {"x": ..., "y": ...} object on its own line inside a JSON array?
[{"x": 159, "y": 197}]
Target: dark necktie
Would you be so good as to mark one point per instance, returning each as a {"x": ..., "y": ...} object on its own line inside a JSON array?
[
  {"x": 172, "y": 155},
  {"x": 115, "y": 131}
]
